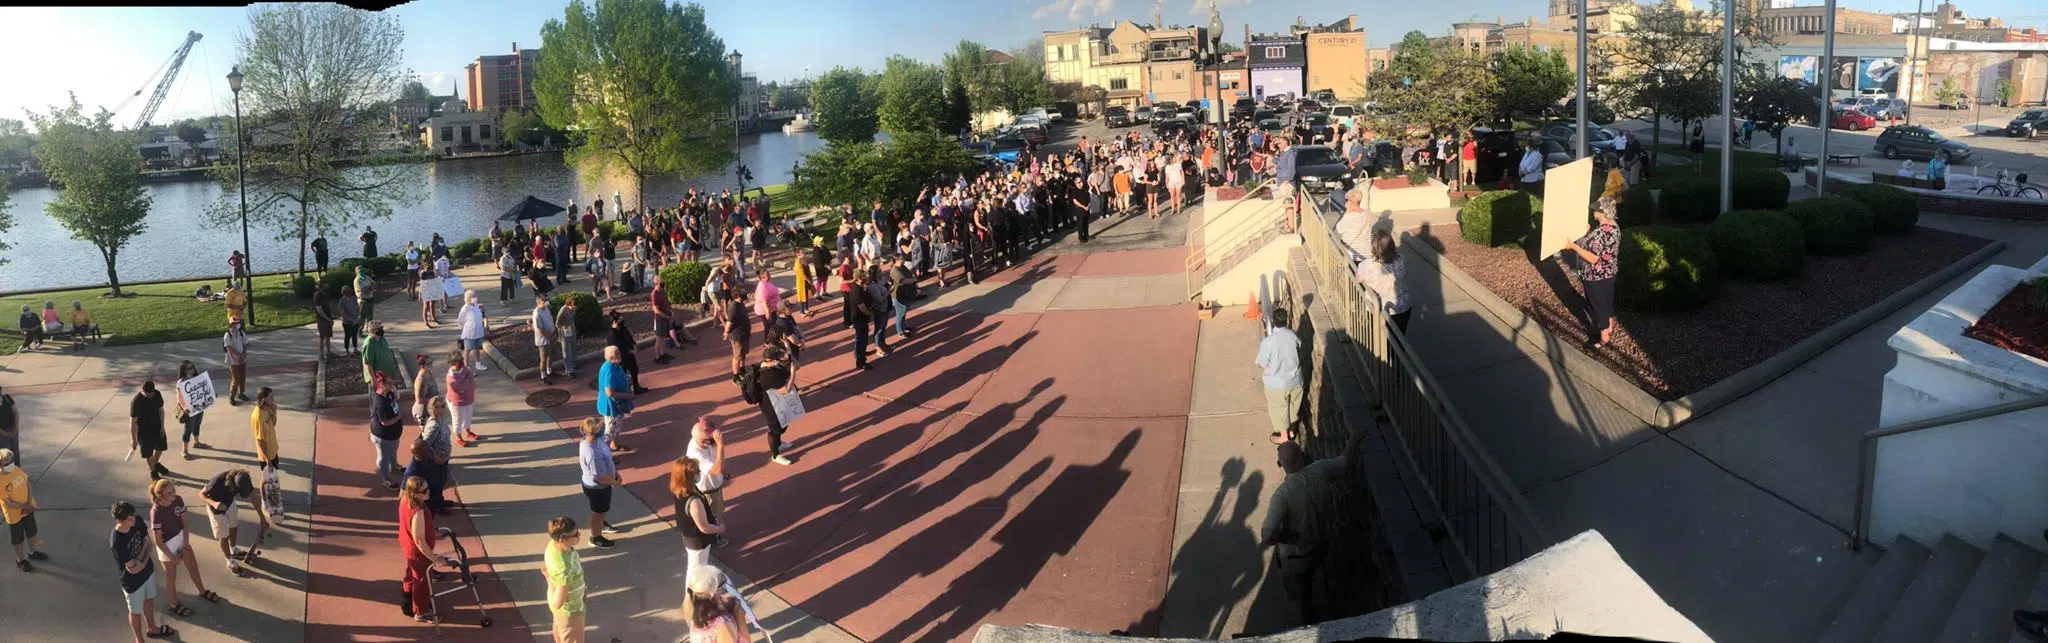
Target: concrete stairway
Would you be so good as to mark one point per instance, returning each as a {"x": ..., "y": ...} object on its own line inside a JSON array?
[{"x": 1954, "y": 593}]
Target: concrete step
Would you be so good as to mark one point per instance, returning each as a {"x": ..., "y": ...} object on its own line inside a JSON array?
[
  {"x": 1926, "y": 605},
  {"x": 1984, "y": 612},
  {"x": 1876, "y": 592},
  {"x": 2037, "y": 599}
]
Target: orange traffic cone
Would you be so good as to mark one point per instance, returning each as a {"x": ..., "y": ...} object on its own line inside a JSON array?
[{"x": 1251, "y": 311}]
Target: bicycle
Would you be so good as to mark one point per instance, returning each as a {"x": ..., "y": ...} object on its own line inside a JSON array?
[{"x": 2018, "y": 188}]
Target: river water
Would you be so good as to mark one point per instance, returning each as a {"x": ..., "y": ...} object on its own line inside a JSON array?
[{"x": 460, "y": 200}]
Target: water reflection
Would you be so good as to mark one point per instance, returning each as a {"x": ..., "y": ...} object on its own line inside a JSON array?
[{"x": 460, "y": 201}]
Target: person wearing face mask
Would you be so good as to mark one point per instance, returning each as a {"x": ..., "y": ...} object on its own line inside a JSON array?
[{"x": 707, "y": 447}]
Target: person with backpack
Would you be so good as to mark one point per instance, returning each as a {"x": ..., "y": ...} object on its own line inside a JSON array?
[
  {"x": 760, "y": 384},
  {"x": 903, "y": 289}
]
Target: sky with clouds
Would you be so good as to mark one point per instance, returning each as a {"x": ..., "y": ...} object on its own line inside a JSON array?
[{"x": 106, "y": 55}]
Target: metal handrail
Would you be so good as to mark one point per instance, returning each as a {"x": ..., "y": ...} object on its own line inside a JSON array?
[
  {"x": 1199, "y": 254},
  {"x": 1490, "y": 522},
  {"x": 1866, "y": 474}
]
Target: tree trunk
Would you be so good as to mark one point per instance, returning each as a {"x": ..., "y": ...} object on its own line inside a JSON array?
[
  {"x": 1656, "y": 135},
  {"x": 113, "y": 277},
  {"x": 302, "y": 242}
]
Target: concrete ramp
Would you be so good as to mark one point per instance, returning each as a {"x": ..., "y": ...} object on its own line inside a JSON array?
[
  {"x": 1580, "y": 585},
  {"x": 1238, "y": 250}
]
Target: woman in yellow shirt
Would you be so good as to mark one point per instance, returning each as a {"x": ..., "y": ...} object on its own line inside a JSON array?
[{"x": 263, "y": 423}]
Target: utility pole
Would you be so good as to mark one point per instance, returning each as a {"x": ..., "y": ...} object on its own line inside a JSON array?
[
  {"x": 1827, "y": 96},
  {"x": 242, "y": 140},
  {"x": 1583, "y": 133},
  {"x": 1728, "y": 69},
  {"x": 1912, "y": 67}
]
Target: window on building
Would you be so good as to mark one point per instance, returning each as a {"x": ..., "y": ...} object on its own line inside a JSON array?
[
  {"x": 1177, "y": 75},
  {"x": 1276, "y": 52},
  {"x": 1119, "y": 83},
  {"x": 483, "y": 132},
  {"x": 465, "y": 134},
  {"x": 447, "y": 133}
]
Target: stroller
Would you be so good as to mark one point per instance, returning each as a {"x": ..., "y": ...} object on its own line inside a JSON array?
[{"x": 459, "y": 579}]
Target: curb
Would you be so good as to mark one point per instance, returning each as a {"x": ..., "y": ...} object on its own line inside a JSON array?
[{"x": 1667, "y": 415}]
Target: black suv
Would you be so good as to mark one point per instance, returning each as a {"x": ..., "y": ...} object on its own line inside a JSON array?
[
  {"x": 1243, "y": 108},
  {"x": 1117, "y": 116},
  {"x": 2028, "y": 123}
]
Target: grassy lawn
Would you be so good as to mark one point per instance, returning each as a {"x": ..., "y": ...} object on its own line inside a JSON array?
[
  {"x": 162, "y": 312},
  {"x": 1708, "y": 164}
]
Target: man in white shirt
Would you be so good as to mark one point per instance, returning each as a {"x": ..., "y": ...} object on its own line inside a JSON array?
[
  {"x": 1531, "y": 167},
  {"x": 236, "y": 345},
  {"x": 1280, "y": 362},
  {"x": 707, "y": 447},
  {"x": 543, "y": 323},
  {"x": 472, "y": 321}
]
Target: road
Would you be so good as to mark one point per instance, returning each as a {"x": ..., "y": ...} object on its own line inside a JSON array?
[{"x": 1990, "y": 152}]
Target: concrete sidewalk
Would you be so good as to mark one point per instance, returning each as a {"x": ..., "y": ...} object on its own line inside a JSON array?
[{"x": 1739, "y": 519}]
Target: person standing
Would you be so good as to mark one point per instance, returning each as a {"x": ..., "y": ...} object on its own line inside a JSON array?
[
  {"x": 263, "y": 430},
  {"x": 234, "y": 300},
  {"x": 615, "y": 397},
  {"x": 425, "y": 387},
  {"x": 1280, "y": 361},
  {"x": 350, "y": 313},
  {"x": 131, "y": 545},
  {"x": 431, "y": 454},
  {"x": 146, "y": 428},
  {"x": 666, "y": 329},
  {"x": 876, "y": 290},
  {"x": 707, "y": 448},
  {"x": 18, "y": 507},
  {"x": 712, "y": 612},
  {"x": 738, "y": 329},
  {"x": 472, "y": 321},
  {"x": 1530, "y": 169},
  {"x": 1386, "y": 273},
  {"x": 462, "y": 399},
  {"x": 600, "y": 474},
  {"x": 565, "y": 325},
  {"x": 378, "y": 356},
  {"x": 508, "y": 276},
  {"x": 366, "y": 293},
  {"x": 760, "y": 386},
  {"x": 1284, "y": 177},
  {"x": 369, "y": 239},
  {"x": 542, "y": 321},
  {"x": 414, "y": 280},
  {"x": 173, "y": 544},
  {"x": 563, "y": 568},
  {"x": 323, "y": 320},
  {"x": 1597, "y": 252},
  {"x": 235, "y": 343},
  {"x": 416, "y": 539},
  {"x": 10, "y": 425},
  {"x": 190, "y": 421},
  {"x": 386, "y": 425},
  {"x": 695, "y": 517},
  {"x": 903, "y": 289},
  {"x": 320, "y": 252},
  {"x": 622, "y": 338},
  {"x": 220, "y": 494},
  {"x": 564, "y": 251}
]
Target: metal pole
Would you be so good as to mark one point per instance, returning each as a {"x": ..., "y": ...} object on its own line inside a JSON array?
[
  {"x": 1584, "y": 133},
  {"x": 1912, "y": 67},
  {"x": 1728, "y": 70},
  {"x": 242, "y": 181},
  {"x": 1827, "y": 96}
]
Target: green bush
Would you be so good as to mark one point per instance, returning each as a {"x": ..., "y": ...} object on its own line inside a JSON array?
[
  {"x": 468, "y": 251},
  {"x": 1689, "y": 200},
  {"x": 589, "y": 313},
  {"x": 1833, "y": 225},
  {"x": 334, "y": 280},
  {"x": 1665, "y": 269},
  {"x": 1758, "y": 245},
  {"x": 1638, "y": 207},
  {"x": 1498, "y": 218},
  {"x": 1760, "y": 189},
  {"x": 380, "y": 267},
  {"x": 303, "y": 285},
  {"x": 1893, "y": 211},
  {"x": 685, "y": 281}
]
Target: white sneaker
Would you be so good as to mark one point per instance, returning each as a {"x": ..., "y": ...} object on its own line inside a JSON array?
[
  {"x": 480, "y": 367},
  {"x": 780, "y": 460}
]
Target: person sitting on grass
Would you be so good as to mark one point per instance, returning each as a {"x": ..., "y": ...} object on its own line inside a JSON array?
[{"x": 206, "y": 293}]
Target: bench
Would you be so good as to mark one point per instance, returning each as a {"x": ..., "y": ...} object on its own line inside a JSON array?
[
  {"x": 77, "y": 338},
  {"x": 1908, "y": 182},
  {"x": 1837, "y": 159}
]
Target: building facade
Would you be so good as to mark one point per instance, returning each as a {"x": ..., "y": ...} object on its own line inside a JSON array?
[
  {"x": 1279, "y": 64},
  {"x": 459, "y": 130},
  {"x": 1813, "y": 20},
  {"x": 1336, "y": 59},
  {"x": 503, "y": 82}
]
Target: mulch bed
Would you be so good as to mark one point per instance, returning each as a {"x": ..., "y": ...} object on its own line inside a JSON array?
[
  {"x": 2018, "y": 323},
  {"x": 1672, "y": 356},
  {"x": 515, "y": 341},
  {"x": 345, "y": 375}
]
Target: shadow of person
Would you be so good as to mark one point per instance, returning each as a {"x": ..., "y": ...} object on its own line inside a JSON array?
[{"x": 1220, "y": 564}]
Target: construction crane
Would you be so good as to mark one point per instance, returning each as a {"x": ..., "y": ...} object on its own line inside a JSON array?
[{"x": 169, "y": 70}]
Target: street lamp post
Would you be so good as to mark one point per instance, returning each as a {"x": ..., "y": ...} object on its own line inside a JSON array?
[{"x": 242, "y": 183}]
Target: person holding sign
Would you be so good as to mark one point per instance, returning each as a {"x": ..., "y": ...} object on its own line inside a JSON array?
[
  {"x": 1597, "y": 252},
  {"x": 192, "y": 405}
]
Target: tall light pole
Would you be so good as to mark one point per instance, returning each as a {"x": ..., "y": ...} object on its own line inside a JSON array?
[
  {"x": 242, "y": 189},
  {"x": 1584, "y": 133},
  {"x": 1728, "y": 70},
  {"x": 1827, "y": 96},
  {"x": 1912, "y": 66}
]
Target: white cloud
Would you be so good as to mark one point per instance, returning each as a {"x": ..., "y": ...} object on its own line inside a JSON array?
[
  {"x": 1201, "y": 7},
  {"x": 1075, "y": 10},
  {"x": 438, "y": 83}
]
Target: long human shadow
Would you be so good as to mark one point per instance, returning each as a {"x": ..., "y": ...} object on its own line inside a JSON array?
[
  {"x": 1203, "y": 611},
  {"x": 1046, "y": 528}
]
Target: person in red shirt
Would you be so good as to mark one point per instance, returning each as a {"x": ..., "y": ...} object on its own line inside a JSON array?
[
  {"x": 590, "y": 228},
  {"x": 1468, "y": 156}
]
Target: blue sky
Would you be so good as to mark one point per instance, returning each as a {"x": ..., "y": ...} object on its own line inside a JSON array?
[{"x": 106, "y": 54}]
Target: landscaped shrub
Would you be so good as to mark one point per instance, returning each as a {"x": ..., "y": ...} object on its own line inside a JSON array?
[
  {"x": 1893, "y": 211},
  {"x": 1498, "y": 218},
  {"x": 685, "y": 281},
  {"x": 1758, "y": 245},
  {"x": 1689, "y": 200},
  {"x": 1638, "y": 207},
  {"x": 1760, "y": 190},
  {"x": 334, "y": 280},
  {"x": 1833, "y": 225},
  {"x": 589, "y": 314},
  {"x": 303, "y": 285},
  {"x": 469, "y": 251},
  {"x": 1665, "y": 269}
]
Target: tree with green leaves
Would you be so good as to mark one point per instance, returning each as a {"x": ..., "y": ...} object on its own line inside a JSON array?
[
  {"x": 99, "y": 165},
  {"x": 1441, "y": 87},
  {"x": 1531, "y": 79},
  {"x": 783, "y": 98},
  {"x": 414, "y": 90},
  {"x": 17, "y": 144},
  {"x": 644, "y": 83},
  {"x": 1773, "y": 101},
  {"x": 6, "y": 221},
  {"x": 1022, "y": 82},
  {"x": 959, "y": 109},
  {"x": 971, "y": 64},
  {"x": 1949, "y": 93},
  {"x": 892, "y": 171},
  {"x": 846, "y": 105},
  {"x": 913, "y": 97},
  {"x": 1667, "y": 64},
  {"x": 317, "y": 83},
  {"x": 2005, "y": 92}
]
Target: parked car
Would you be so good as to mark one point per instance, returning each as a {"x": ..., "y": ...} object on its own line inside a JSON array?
[
  {"x": 1887, "y": 109},
  {"x": 1005, "y": 148},
  {"x": 1279, "y": 104},
  {"x": 1555, "y": 153},
  {"x": 1597, "y": 113},
  {"x": 1319, "y": 167},
  {"x": 1117, "y": 116},
  {"x": 1564, "y": 131},
  {"x": 1191, "y": 112},
  {"x": 1067, "y": 110},
  {"x": 1962, "y": 101},
  {"x": 1165, "y": 108},
  {"x": 1497, "y": 152},
  {"x": 1036, "y": 134},
  {"x": 1325, "y": 96},
  {"x": 1852, "y": 120},
  {"x": 1142, "y": 115},
  {"x": 1272, "y": 125},
  {"x": 2027, "y": 123},
  {"x": 1260, "y": 115},
  {"x": 1345, "y": 115},
  {"x": 1243, "y": 108},
  {"x": 1918, "y": 142},
  {"x": 1310, "y": 106},
  {"x": 1167, "y": 125},
  {"x": 1311, "y": 125}
]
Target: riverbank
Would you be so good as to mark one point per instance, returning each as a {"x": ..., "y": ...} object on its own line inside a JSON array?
[{"x": 162, "y": 312}]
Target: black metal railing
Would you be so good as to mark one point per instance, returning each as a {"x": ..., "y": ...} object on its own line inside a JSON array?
[{"x": 1476, "y": 505}]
